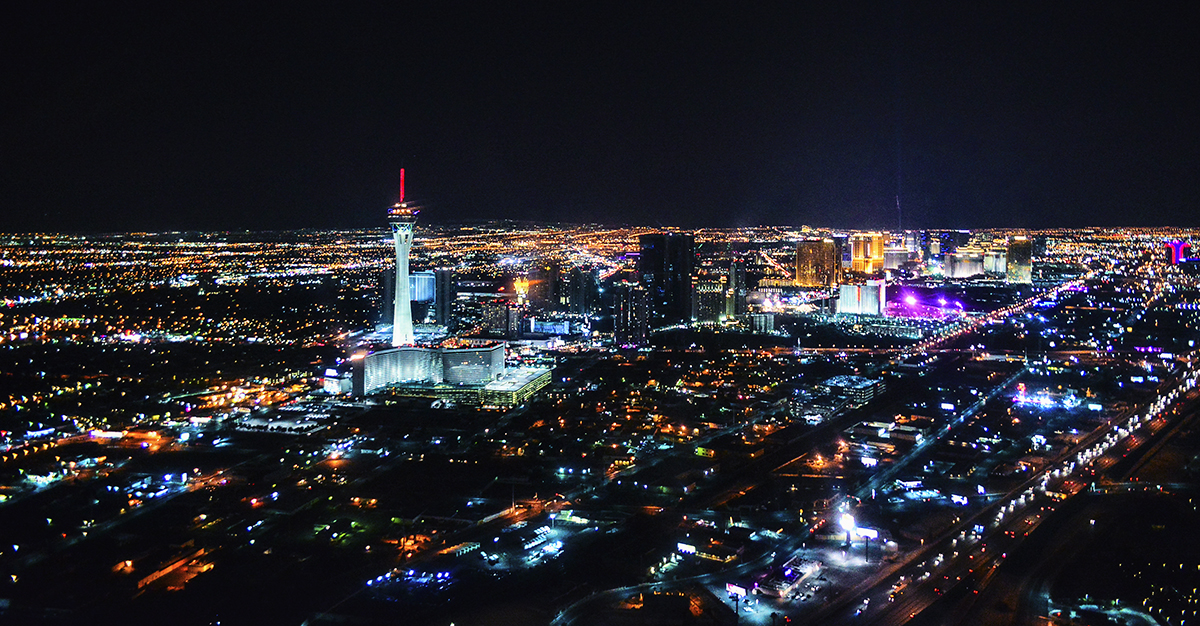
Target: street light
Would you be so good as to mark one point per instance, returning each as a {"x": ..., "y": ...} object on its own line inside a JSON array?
[{"x": 847, "y": 522}]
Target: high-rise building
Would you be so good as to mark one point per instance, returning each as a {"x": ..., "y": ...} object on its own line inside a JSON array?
[
  {"x": 502, "y": 317},
  {"x": 1039, "y": 245},
  {"x": 868, "y": 299},
  {"x": 995, "y": 261},
  {"x": 710, "y": 298},
  {"x": 545, "y": 287},
  {"x": 842, "y": 242},
  {"x": 631, "y": 313},
  {"x": 867, "y": 252},
  {"x": 1020, "y": 260},
  {"x": 421, "y": 290},
  {"x": 420, "y": 286},
  {"x": 940, "y": 242},
  {"x": 860, "y": 253},
  {"x": 912, "y": 241},
  {"x": 583, "y": 291},
  {"x": 879, "y": 242},
  {"x": 387, "y": 296},
  {"x": 736, "y": 291},
  {"x": 818, "y": 263},
  {"x": 514, "y": 321},
  {"x": 665, "y": 270},
  {"x": 402, "y": 219},
  {"x": 894, "y": 258},
  {"x": 443, "y": 297},
  {"x": 964, "y": 262},
  {"x": 421, "y": 295}
]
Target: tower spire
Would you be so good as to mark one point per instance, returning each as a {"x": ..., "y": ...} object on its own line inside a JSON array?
[{"x": 402, "y": 218}]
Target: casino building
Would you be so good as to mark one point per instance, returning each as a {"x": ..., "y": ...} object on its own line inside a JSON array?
[{"x": 454, "y": 371}]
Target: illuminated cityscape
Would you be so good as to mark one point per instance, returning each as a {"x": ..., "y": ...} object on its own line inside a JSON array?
[
  {"x": 244, "y": 428},
  {"x": 703, "y": 314}
]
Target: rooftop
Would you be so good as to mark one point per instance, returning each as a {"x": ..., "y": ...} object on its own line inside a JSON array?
[
  {"x": 850, "y": 382},
  {"x": 515, "y": 378}
]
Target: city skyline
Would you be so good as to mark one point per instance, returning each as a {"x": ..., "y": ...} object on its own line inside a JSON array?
[
  {"x": 594, "y": 425},
  {"x": 695, "y": 313},
  {"x": 980, "y": 116}
]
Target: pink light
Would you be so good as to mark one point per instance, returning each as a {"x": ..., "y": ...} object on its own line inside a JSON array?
[
  {"x": 910, "y": 300},
  {"x": 402, "y": 185},
  {"x": 1177, "y": 250}
]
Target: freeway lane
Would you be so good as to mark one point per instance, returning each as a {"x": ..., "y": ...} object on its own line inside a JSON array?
[
  {"x": 1027, "y": 586},
  {"x": 1019, "y": 593},
  {"x": 1028, "y": 581},
  {"x": 1010, "y": 525}
]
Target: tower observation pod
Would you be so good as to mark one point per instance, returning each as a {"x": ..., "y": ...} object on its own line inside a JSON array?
[{"x": 402, "y": 219}]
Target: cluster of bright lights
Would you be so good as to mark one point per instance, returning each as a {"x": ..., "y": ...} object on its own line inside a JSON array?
[{"x": 1043, "y": 399}]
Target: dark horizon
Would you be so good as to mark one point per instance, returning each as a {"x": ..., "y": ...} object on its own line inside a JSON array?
[
  {"x": 383, "y": 228},
  {"x": 159, "y": 118}
]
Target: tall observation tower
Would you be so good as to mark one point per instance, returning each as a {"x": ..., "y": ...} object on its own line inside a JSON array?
[{"x": 402, "y": 218}]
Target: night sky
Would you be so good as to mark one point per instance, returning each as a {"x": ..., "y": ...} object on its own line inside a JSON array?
[{"x": 218, "y": 116}]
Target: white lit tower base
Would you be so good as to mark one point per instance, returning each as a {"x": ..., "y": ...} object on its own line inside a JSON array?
[{"x": 402, "y": 218}]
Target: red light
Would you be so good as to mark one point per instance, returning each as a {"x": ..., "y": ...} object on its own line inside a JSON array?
[{"x": 402, "y": 185}]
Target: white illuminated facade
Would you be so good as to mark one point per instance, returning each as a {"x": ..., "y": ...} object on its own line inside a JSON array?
[
  {"x": 402, "y": 220},
  {"x": 412, "y": 364},
  {"x": 868, "y": 299},
  {"x": 964, "y": 263}
]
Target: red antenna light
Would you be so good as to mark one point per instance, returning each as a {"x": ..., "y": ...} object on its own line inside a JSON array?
[{"x": 402, "y": 185}]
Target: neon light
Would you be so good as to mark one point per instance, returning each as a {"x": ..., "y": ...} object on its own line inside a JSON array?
[
  {"x": 402, "y": 185},
  {"x": 1177, "y": 250}
]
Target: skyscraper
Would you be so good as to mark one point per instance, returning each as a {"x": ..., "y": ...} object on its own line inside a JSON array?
[
  {"x": 867, "y": 252},
  {"x": 939, "y": 242},
  {"x": 387, "y": 296},
  {"x": 894, "y": 258},
  {"x": 665, "y": 269},
  {"x": 582, "y": 291},
  {"x": 402, "y": 219},
  {"x": 420, "y": 290},
  {"x": 545, "y": 287},
  {"x": 842, "y": 243},
  {"x": 818, "y": 263},
  {"x": 1020, "y": 260},
  {"x": 868, "y": 299},
  {"x": 995, "y": 261},
  {"x": 501, "y": 317},
  {"x": 1039, "y": 245},
  {"x": 443, "y": 297},
  {"x": 710, "y": 298},
  {"x": 736, "y": 291},
  {"x": 631, "y": 314},
  {"x": 963, "y": 263},
  {"x": 422, "y": 294}
]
